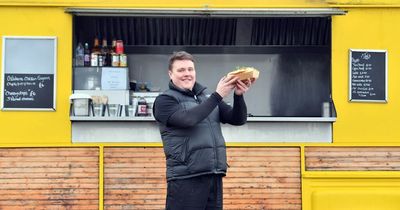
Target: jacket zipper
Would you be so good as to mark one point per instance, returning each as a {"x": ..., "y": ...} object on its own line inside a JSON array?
[
  {"x": 215, "y": 144},
  {"x": 213, "y": 136}
]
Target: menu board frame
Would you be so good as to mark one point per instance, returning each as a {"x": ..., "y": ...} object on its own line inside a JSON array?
[
  {"x": 351, "y": 87},
  {"x": 33, "y": 83}
]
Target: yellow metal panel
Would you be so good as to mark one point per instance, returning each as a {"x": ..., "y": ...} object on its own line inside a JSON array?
[
  {"x": 101, "y": 177},
  {"x": 366, "y": 28},
  {"x": 36, "y": 127},
  {"x": 352, "y": 194},
  {"x": 363, "y": 2},
  {"x": 176, "y": 4}
]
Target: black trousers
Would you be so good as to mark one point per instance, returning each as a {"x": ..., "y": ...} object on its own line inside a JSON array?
[{"x": 197, "y": 193}]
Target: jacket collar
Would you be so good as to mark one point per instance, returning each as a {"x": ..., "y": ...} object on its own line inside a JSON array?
[{"x": 197, "y": 89}]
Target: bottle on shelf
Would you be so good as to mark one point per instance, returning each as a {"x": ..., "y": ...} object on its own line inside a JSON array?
[
  {"x": 105, "y": 53},
  {"x": 120, "y": 52},
  {"x": 94, "y": 56},
  {"x": 142, "y": 107},
  {"x": 79, "y": 55},
  {"x": 114, "y": 55},
  {"x": 113, "y": 45},
  {"x": 86, "y": 55}
]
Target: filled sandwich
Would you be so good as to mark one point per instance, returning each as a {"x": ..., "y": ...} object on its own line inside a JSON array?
[{"x": 245, "y": 73}]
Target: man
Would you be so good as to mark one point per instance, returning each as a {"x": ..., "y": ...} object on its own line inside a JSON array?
[{"x": 191, "y": 133}]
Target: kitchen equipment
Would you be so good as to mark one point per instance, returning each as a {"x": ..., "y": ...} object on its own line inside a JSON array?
[{"x": 81, "y": 105}]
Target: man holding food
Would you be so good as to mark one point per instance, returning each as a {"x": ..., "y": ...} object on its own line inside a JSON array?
[{"x": 190, "y": 129}]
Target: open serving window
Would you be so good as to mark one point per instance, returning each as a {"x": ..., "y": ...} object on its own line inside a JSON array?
[{"x": 291, "y": 101}]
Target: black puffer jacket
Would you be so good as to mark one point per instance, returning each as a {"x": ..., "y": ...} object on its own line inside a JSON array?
[{"x": 195, "y": 145}]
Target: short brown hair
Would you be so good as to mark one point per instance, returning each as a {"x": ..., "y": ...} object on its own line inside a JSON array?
[{"x": 180, "y": 56}]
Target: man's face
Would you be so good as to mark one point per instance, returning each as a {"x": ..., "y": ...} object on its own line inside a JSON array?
[{"x": 183, "y": 74}]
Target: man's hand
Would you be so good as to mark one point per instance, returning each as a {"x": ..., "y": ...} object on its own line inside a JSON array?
[
  {"x": 242, "y": 86},
  {"x": 226, "y": 85}
]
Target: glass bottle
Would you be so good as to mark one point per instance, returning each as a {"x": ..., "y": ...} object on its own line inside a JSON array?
[
  {"x": 142, "y": 107},
  {"x": 105, "y": 53},
  {"x": 86, "y": 56},
  {"x": 114, "y": 55},
  {"x": 94, "y": 56},
  {"x": 79, "y": 55}
]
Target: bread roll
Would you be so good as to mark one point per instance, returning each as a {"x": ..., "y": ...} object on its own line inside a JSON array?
[{"x": 245, "y": 73}]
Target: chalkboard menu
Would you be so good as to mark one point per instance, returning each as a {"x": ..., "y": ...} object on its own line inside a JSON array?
[
  {"x": 29, "y": 78},
  {"x": 368, "y": 72},
  {"x": 28, "y": 90}
]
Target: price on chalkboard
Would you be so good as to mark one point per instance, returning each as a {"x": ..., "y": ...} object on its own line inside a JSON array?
[{"x": 368, "y": 75}]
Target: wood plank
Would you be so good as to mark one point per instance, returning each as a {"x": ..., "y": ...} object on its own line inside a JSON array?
[
  {"x": 258, "y": 149},
  {"x": 130, "y": 206},
  {"x": 262, "y": 206},
  {"x": 136, "y": 186},
  {"x": 128, "y": 171},
  {"x": 136, "y": 149},
  {"x": 353, "y": 148},
  {"x": 142, "y": 165},
  {"x": 49, "y": 152},
  {"x": 261, "y": 159},
  {"x": 153, "y": 196},
  {"x": 254, "y": 195},
  {"x": 278, "y": 201},
  {"x": 110, "y": 192},
  {"x": 135, "y": 160},
  {"x": 262, "y": 180},
  {"x": 135, "y": 155},
  {"x": 265, "y": 164},
  {"x": 70, "y": 180},
  {"x": 135, "y": 202},
  {"x": 352, "y": 159},
  {"x": 47, "y": 191},
  {"x": 264, "y": 169},
  {"x": 262, "y": 185},
  {"x": 28, "y": 175},
  {"x": 25, "y": 202},
  {"x": 109, "y": 181},
  {"x": 48, "y": 185},
  {"x": 51, "y": 207},
  {"x": 36, "y": 196},
  {"x": 358, "y": 164},
  {"x": 352, "y": 154},
  {"x": 355, "y": 168},
  {"x": 12, "y": 164},
  {"x": 264, "y": 154},
  {"x": 268, "y": 191},
  {"x": 45, "y": 170},
  {"x": 52, "y": 159}
]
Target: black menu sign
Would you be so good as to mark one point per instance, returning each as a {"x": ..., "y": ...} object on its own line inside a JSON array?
[
  {"x": 28, "y": 91},
  {"x": 368, "y": 71},
  {"x": 28, "y": 79}
]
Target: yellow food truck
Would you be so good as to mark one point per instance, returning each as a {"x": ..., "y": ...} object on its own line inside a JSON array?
[{"x": 78, "y": 80}]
